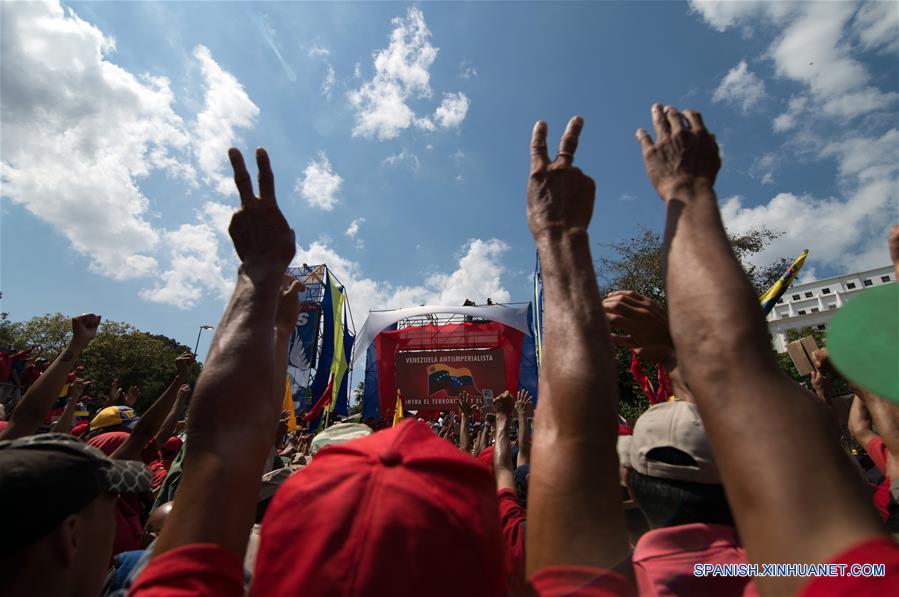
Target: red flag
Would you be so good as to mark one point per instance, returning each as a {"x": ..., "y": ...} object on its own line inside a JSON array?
[
  {"x": 642, "y": 380},
  {"x": 322, "y": 402}
]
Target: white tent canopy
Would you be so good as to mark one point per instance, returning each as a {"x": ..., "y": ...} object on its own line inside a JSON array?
[{"x": 378, "y": 321}]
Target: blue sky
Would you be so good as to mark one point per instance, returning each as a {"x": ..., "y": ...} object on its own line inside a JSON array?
[{"x": 399, "y": 138}]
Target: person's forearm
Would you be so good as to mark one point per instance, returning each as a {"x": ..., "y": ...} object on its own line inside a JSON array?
[
  {"x": 168, "y": 426},
  {"x": 464, "y": 434},
  {"x": 150, "y": 422},
  {"x": 30, "y": 412},
  {"x": 573, "y": 487},
  {"x": 502, "y": 455},
  {"x": 751, "y": 426},
  {"x": 282, "y": 340},
  {"x": 233, "y": 415},
  {"x": 524, "y": 440},
  {"x": 64, "y": 423}
]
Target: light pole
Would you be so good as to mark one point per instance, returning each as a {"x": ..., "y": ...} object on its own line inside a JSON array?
[{"x": 202, "y": 327}]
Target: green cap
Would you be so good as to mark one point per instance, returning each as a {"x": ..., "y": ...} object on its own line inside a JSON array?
[{"x": 863, "y": 341}]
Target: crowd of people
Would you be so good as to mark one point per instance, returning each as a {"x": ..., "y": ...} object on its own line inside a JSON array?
[{"x": 716, "y": 492}]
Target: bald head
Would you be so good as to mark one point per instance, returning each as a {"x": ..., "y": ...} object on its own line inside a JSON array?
[{"x": 156, "y": 521}]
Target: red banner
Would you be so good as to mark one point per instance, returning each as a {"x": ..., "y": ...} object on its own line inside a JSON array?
[{"x": 433, "y": 379}]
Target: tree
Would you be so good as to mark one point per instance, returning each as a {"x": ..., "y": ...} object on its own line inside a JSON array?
[
  {"x": 636, "y": 264},
  {"x": 358, "y": 393},
  {"x": 120, "y": 351}
]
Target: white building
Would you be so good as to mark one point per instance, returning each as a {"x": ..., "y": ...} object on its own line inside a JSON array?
[{"x": 814, "y": 304}]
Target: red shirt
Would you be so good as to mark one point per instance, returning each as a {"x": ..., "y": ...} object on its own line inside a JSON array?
[
  {"x": 206, "y": 569},
  {"x": 878, "y": 453},
  {"x": 873, "y": 551},
  {"x": 513, "y": 521},
  {"x": 664, "y": 559},
  {"x": 191, "y": 570}
]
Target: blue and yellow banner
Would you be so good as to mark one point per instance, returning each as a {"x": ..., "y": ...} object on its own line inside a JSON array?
[{"x": 770, "y": 298}]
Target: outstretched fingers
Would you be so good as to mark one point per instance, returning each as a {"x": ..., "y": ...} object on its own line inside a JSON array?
[
  {"x": 695, "y": 120},
  {"x": 539, "y": 154},
  {"x": 660, "y": 122},
  {"x": 266, "y": 178},
  {"x": 568, "y": 145},
  {"x": 241, "y": 177}
]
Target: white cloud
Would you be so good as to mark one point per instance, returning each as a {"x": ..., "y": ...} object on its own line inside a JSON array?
[
  {"x": 227, "y": 107},
  {"x": 319, "y": 51},
  {"x": 789, "y": 119},
  {"x": 763, "y": 168},
  {"x": 357, "y": 71},
  {"x": 195, "y": 266},
  {"x": 877, "y": 26},
  {"x": 467, "y": 70},
  {"x": 353, "y": 228},
  {"x": 478, "y": 275},
  {"x": 740, "y": 87},
  {"x": 847, "y": 233},
  {"x": 403, "y": 157},
  {"x": 320, "y": 184},
  {"x": 813, "y": 46},
  {"x": 268, "y": 33},
  {"x": 78, "y": 134},
  {"x": 329, "y": 80},
  {"x": 452, "y": 110},
  {"x": 401, "y": 73}
]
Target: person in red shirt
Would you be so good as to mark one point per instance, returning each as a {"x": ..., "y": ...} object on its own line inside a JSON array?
[{"x": 672, "y": 476}]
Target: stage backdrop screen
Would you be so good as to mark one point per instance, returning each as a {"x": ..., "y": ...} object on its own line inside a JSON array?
[{"x": 433, "y": 379}]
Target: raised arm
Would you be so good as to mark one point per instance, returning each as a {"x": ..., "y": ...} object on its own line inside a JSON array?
[
  {"x": 285, "y": 321},
  {"x": 234, "y": 412},
  {"x": 152, "y": 420},
  {"x": 575, "y": 514},
  {"x": 503, "y": 469},
  {"x": 171, "y": 420},
  {"x": 64, "y": 423},
  {"x": 464, "y": 418},
  {"x": 523, "y": 407},
  {"x": 29, "y": 414},
  {"x": 753, "y": 413}
]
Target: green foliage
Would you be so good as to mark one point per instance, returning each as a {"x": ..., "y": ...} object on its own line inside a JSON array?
[
  {"x": 120, "y": 351},
  {"x": 636, "y": 264}
]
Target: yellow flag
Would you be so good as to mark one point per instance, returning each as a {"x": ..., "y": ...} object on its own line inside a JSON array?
[
  {"x": 398, "y": 409},
  {"x": 288, "y": 406}
]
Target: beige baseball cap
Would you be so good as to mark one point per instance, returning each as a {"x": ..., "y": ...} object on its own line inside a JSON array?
[{"x": 672, "y": 425}]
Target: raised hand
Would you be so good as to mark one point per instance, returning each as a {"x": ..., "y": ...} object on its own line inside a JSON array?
[
  {"x": 464, "y": 404},
  {"x": 84, "y": 328},
  {"x": 288, "y": 304},
  {"x": 504, "y": 403},
  {"x": 560, "y": 196},
  {"x": 523, "y": 404},
  {"x": 132, "y": 396},
  {"x": 115, "y": 392},
  {"x": 262, "y": 238},
  {"x": 184, "y": 363},
  {"x": 183, "y": 392},
  {"x": 684, "y": 153},
  {"x": 644, "y": 322},
  {"x": 76, "y": 389}
]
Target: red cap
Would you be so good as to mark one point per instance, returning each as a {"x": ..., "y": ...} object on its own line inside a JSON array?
[
  {"x": 79, "y": 430},
  {"x": 388, "y": 514},
  {"x": 172, "y": 445}
]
